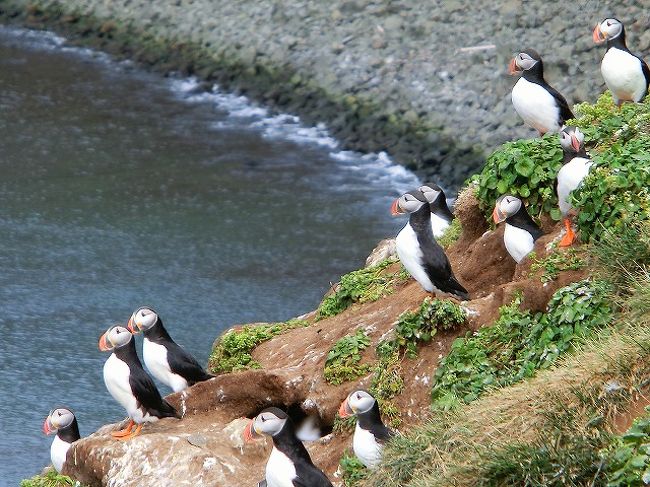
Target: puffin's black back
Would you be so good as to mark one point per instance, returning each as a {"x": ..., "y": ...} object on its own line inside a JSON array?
[
  {"x": 371, "y": 421},
  {"x": 523, "y": 220},
  {"x": 440, "y": 208},
  {"x": 179, "y": 360},
  {"x": 308, "y": 475},
  {"x": 142, "y": 385}
]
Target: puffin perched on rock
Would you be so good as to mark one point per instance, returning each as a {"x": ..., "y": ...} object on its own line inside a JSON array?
[
  {"x": 167, "y": 361},
  {"x": 370, "y": 433},
  {"x": 575, "y": 169},
  {"x": 289, "y": 464},
  {"x": 129, "y": 383},
  {"x": 540, "y": 105},
  {"x": 418, "y": 250},
  {"x": 521, "y": 231},
  {"x": 627, "y": 76},
  {"x": 63, "y": 422},
  {"x": 441, "y": 215}
]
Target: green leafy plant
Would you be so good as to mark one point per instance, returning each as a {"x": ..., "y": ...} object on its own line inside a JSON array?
[
  {"x": 628, "y": 456},
  {"x": 452, "y": 234},
  {"x": 233, "y": 350},
  {"x": 524, "y": 168},
  {"x": 50, "y": 479},
  {"x": 353, "y": 471},
  {"x": 556, "y": 262},
  {"x": 343, "y": 360},
  {"x": 361, "y": 286},
  {"x": 386, "y": 383}
]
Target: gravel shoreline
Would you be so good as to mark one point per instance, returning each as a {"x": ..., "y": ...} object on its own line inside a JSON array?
[{"x": 426, "y": 82}]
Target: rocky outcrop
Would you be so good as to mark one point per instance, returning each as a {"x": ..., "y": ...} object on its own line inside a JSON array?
[{"x": 425, "y": 81}]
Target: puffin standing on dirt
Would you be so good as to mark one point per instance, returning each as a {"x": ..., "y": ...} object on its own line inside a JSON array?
[
  {"x": 129, "y": 384},
  {"x": 370, "y": 433},
  {"x": 521, "y": 231},
  {"x": 441, "y": 215},
  {"x": 63, "y": 422},
  {"x": 627, "y": 76},
  {"x": 289, "y": 464},
  {"x": 575, "y": 169},
  {"x": 540, "y": 105},
  {"x": 166, "y": 360},
  {"x": 418, "y": 250}
]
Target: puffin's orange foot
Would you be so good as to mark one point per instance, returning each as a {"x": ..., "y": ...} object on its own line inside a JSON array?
[
  {"x": 569, "y": 236},
  {"x": 124, "y": 432},
  {"x": 132, "y": 435}
]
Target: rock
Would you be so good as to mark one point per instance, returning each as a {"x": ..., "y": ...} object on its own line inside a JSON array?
[
  {"x": 378, "y": 42},
  {"x": 384, "y": 250}
]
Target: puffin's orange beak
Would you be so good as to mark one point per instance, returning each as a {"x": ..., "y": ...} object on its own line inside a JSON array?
[
  {"x": 575, "y": 143},
  {"x": 47, "y": 429},
  {"x": 512, "y": 67},
  {"x": 249, "y": 432},
  {"x": 103, "y": 346},
  {"x": 598, "y": 35},
  {"x": 132, "y": 328},
  {"x": 395, "y": 210},
  {"x": 497, "y": 216},
  {"x": 345, "y": 411}
]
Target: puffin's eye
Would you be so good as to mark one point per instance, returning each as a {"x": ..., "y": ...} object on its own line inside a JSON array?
[
  {"x": 59, "y": 413},
  {"x": 263, "y": 419},
  {"x": 609, "y": 24}
]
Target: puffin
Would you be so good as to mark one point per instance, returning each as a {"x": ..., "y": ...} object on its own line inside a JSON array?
[
  {"x": 521, "y": 231},
  {"x": 63, "y": 422},
  {"x": 540, "y": 105},
  {"x": 166, "y": 360},
  {"x": 129, "y": 383},
  {"x": 627, "y": 76},
  {"x": 370, "y": 433},
  {"x": 289, "y": 464},
  {"x": 441, "y": 215},
  {"x": 575, "y": 169},
  {"x": 418, "y": 250}
]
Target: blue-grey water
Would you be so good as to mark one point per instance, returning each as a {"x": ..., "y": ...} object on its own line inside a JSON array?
[{"x": 120, "y": 188}]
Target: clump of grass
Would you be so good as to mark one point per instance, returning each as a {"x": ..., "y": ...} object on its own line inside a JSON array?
[
  {"x": 361, "y": 286},
  {"x": 556, "y": 262},
  {"x": 628, "y": 456},
  {"x": 452, "y": 234},
  {"x": 234, "y": 349},
  {"x": 343, "y": 360},
  {"x": 50, "y": 479},
  {"x": 353, "y": 472}
]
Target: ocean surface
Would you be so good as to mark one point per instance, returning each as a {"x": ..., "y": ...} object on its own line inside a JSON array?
[{"x": 120, "y": 188}]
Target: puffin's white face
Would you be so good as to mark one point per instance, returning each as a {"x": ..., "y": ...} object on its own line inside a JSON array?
[
  {"x": 522, "y": 62},
  {"x": 142, "y": 319},
  {"x": 57, "y": 419},
  {"x": 430, "y": 191},
  {"x": 360, "y": 402},
  {"x": 268, "y": 422},
  {"x": 115, "y": 337},
  {"x": 572, "y": 139},
  {"x": 506, "y": 206},
  {"x": 607, "y": 29},
  {"x": 408, "y": 203}
]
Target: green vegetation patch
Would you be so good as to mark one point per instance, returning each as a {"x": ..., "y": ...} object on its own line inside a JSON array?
[
  {"x": 628, "y": 456},
  {"x": 519, "y": 343},
  {"x": 452, "y": 234},
  {"x": 234, "y": 349},
  {"x": 361, "y": 286},
  {"x": 556, "y": 262},
  {"x": 343, "y": 360},
  {"x": 353, "y": 472},
  {"x": 50, "y": 479}
]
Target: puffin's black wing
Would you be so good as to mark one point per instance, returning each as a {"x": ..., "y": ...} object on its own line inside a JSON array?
[
  {"x": 646, "y": 73},
  {"x": 381, "y": 433},
  {"x": 261, "y": 483},
  {"x": 437, "y": 266},
  {"x": 147, "y": 395},
  {"x": 183, "y": 364},
  {"x": 565, "y": 111},
  {"x": 307, "y": 475}
]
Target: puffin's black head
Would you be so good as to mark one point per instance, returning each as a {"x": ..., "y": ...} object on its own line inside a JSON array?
[
  {"x": 357, "y": 402},
  {"x": 506, "y": 206},
  {"x": 572, "y": 139},
  {"x": 608, "y": 29},
  {"x": 142, "y": 319},
  {"x": 431, "y": 191},
  {"x": 59, "y": 418},
  {"x": 269, "y": 422},
  {"x": 408, "y": 203},
  {"x": 526, "y": 60},
  {"x": 115, "y": 337}
]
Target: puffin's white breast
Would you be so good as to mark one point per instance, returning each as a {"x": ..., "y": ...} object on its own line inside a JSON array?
[
  {"x": 408, "y": 250},
  {"x": 623, "y": 75},
  {"x": 569, "y": 178},
  {"x": 116, "y": 378},
  {"x": 438, "y": 225},
  {"x": 518, "y": 242},
  {"x": 58, "y": 451},
  {"x": 155, "y": 358},
  {"x": 536, "y": 106},
  {"x": 366, "y": 448},
  {"x": 280, "y": 470}
]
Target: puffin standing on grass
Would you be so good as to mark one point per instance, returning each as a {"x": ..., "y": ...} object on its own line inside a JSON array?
[
  {"x": 63, "y": 422},
  {"x": 540, "y": 105},
  {"x": 441, "y": 215},
  {"x": 575, "y": 169},
  {"x": 627, "y": 76},
  {"x": 370, "y": 433},
  {"x": 418, "y": 250},
  {"x": 289, "y": 464},
  {"x": 167, "y": 361},
  {"x": 129, "y": 384},
  {"x": 521, "y": 231}
]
